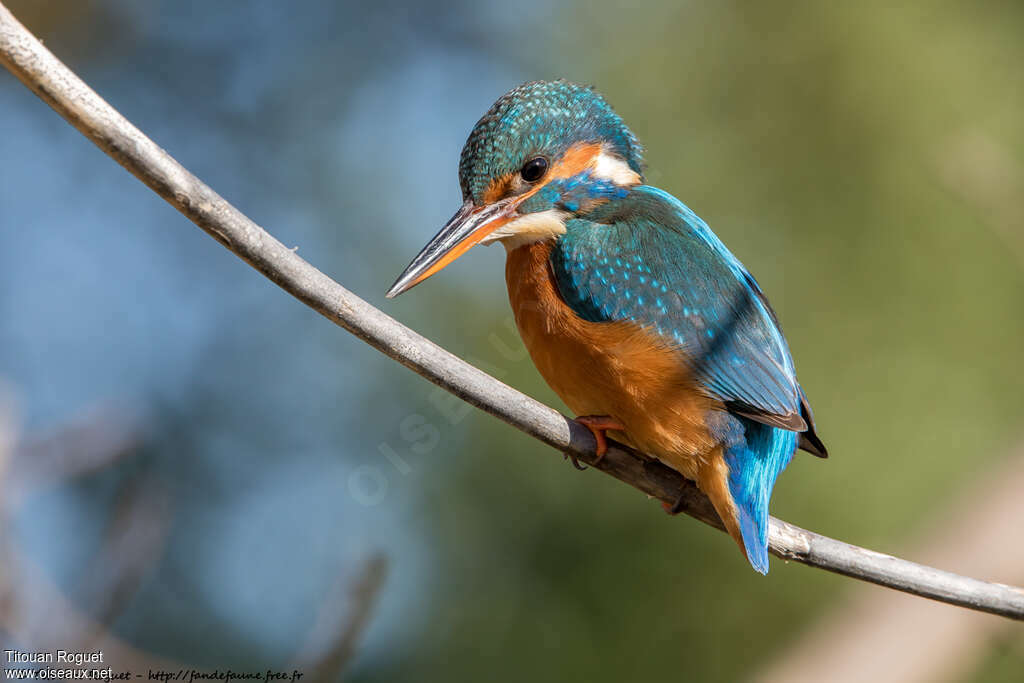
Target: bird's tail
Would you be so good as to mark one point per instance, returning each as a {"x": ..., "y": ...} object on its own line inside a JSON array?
[{"x": 753, "y": 464}]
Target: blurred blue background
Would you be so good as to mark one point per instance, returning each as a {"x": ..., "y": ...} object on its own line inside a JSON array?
[{"x": 865, "y": 161}]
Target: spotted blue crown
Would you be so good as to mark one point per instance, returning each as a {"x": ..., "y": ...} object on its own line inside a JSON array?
[{"x": 540, "y": 118}]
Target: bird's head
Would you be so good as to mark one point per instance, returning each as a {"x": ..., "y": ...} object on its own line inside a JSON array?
[{"x": 544, "y": 152}]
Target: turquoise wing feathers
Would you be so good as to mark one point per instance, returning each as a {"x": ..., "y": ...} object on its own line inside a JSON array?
[{"x": 648, "y": 259}]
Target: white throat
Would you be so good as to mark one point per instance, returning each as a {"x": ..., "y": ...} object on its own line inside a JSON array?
[{"x": 530, "y": 228}]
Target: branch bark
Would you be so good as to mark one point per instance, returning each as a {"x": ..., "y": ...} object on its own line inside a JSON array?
[{"x": 24, "y": 56}]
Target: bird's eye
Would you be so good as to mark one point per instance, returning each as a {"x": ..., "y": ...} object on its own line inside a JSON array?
[{"x": 534, "y": 169}]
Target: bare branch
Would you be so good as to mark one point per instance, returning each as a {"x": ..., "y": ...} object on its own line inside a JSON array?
[{"x": 44, "y": 74}]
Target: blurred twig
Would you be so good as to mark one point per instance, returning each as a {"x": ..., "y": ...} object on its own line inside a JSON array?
[
  {"x": 135, "y": 533},
  {"x": 33, "y": 610},
  {"x": 8, "y": 596},
  {"x": 90, "y": 443},
  {"x": 342, "y": 621},
  {"x": 55, "y": 84},
  {"x": 134, "y": 541}
]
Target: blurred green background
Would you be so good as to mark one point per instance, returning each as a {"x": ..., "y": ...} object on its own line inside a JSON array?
[{"x": 864, "y": 160}]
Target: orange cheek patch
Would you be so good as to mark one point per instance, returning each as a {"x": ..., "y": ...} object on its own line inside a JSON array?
[{"x": 575, "y": 160}]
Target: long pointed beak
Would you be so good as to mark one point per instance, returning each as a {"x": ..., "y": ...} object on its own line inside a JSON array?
[{"x": 466, "y": 228}]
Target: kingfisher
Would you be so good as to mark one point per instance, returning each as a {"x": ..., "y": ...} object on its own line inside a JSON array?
[{"x": 632, "y": 309}]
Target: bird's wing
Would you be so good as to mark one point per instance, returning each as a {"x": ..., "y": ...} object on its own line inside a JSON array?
[{"x": 648, "y": 259}]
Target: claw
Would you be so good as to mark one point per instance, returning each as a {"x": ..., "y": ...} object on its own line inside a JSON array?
[
  {"x": 575, "y": 462},
  {"x": 598, "y": 425}
]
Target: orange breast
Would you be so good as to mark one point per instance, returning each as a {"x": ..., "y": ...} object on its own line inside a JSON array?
[{"x": 616, "y": 369}]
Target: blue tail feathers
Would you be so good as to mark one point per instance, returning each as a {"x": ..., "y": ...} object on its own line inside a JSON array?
[{"x": 755, "y": 461}]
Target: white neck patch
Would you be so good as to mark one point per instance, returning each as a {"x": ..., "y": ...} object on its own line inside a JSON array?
[{"x": 610, "y": 167}]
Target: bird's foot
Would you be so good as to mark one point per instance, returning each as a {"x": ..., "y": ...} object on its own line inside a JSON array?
[
  {"x": 676, "y": 507},
  {"x": 598, "y": 425}
]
